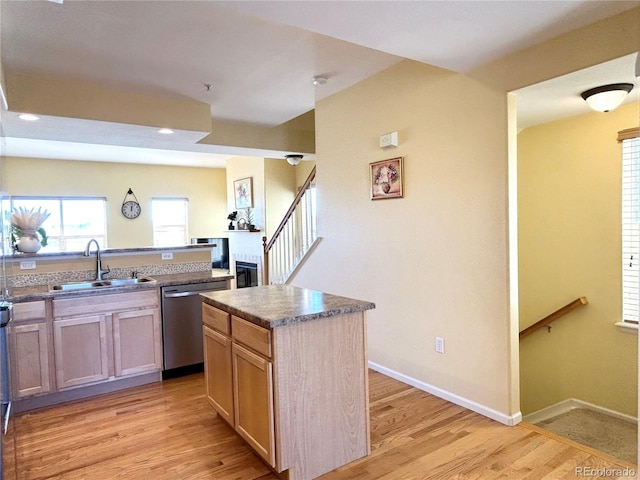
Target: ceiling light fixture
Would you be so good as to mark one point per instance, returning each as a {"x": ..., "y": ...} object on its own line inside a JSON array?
[
  {"x": 28, "y": 117},
  {"x": 165, "y": 131},
  {"x": 319, "y": 80},
  {"x": 293, "y": 159},
  {"x": 607, "y": 97}
]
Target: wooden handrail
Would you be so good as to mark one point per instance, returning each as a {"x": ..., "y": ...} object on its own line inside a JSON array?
[
  {"x": 292, "y": 208},
  {"x": 554, "y": 316},
  {"x": 266, "y": 246}
]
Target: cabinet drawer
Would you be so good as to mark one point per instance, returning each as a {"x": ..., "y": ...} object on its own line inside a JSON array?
[
  {"x": 251, "y": 335},
  {"x": 216, "y": 319},
  {"x": 28, "y": 311},
  {"x": 105, "y": 303}
]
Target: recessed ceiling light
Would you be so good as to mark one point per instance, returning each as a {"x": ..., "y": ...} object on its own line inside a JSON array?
[
  {"x": 165, "y": 131},
  {"x": 28, "y": 117}
]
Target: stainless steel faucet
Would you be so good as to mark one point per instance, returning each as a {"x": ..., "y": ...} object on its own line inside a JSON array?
[{"x": 99, "y": 270}]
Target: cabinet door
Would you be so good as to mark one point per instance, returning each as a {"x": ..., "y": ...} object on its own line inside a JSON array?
[
  {"x": 31, "y": 352},
  {"x": 218, "y": 373},
  {"x": 253, "y": 392},
  {"x": 137, "y": 342},
  {"x": 80, "y": 346}
]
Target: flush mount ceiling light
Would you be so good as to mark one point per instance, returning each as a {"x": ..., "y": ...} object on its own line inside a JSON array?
[
  {"x": 293, "y": 159},
  {"x": 319, "y": 80},
  {"x": 165, "y": 131},
  {"x": 28, "y": 117},
  {"x": 607, "y": 97}
]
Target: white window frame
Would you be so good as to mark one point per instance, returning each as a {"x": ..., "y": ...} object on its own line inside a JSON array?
[
  {"x": 158, "y": 227},
  {"x": 630, "y": 229},
  {"x": 62, "y": 238}
]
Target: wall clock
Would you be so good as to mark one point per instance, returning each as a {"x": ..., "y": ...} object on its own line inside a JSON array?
[{"x": 131, "y": 208}]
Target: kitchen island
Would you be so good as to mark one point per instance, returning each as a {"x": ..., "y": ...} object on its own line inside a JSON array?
[{"x": 286, "y": 367}]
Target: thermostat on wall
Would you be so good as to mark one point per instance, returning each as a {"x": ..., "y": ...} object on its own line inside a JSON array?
[{"x": 389, "y": 140}]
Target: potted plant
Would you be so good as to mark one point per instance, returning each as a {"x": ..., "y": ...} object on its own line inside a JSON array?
[
  {"x": 27, "y": 234},
  {"x": 248, "y": 215},
  {"x": 232, "y": 217}
]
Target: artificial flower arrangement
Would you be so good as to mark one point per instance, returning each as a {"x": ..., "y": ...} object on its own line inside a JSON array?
[{"x": 27, "y": 234}]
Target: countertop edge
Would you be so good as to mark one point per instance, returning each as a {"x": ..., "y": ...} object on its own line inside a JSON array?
[
  {"x": 355, "y": 307},
  {"x": 42, "y": 292}
]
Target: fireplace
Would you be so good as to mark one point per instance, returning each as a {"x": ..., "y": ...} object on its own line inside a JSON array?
[{"x": 246, "y": 274}]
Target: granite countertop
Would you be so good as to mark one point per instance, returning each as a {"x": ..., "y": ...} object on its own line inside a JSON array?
[
  {"x": 276, "y": 305},
  {"x": 41, "y": 292}
]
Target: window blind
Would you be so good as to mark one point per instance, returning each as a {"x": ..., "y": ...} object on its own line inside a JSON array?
[{"x": 630, "y": 229}]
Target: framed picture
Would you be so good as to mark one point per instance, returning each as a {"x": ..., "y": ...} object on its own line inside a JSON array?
[
  {"x": 386, "y": 179},
  {"x": 243, "y": 191}
]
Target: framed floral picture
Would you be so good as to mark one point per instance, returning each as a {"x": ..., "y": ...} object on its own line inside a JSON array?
[
  {"x": 386, "y": 179},
  {"x": 243, "y": 191}
]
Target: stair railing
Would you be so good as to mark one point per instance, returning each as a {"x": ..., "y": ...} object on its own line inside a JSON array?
[
  {"x": 294, "y": 237},
  {"x": 546, "y": 321}
]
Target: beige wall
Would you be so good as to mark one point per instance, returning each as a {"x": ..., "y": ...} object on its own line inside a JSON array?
[
  {"x": 303, "y": 169},
  {"x": 438, "y": 262},
  {"x": 245, "y": 167},
  {"x": 279, "y": 189},
  {"x": 204, "y": 187},
  {"x": 435, "y": 261},
  {"x": 282, "y": 182},
  {"x": 569, "y": 177}
]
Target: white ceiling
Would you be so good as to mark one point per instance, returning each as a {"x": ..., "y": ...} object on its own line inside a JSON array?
[{"x": 260, "y": 56}]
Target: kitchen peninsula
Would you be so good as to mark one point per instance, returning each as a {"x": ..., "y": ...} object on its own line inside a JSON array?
[{"x": 286, "y": 367}]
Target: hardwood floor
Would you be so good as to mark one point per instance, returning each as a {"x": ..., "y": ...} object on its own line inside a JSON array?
[{"x": 168, "y": 431}]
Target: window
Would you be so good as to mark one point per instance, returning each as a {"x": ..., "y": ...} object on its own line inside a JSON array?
[
  {"x": 630, "y": 229},
  {"x": 72, "y": 221},
  {"x": 169, "y": 221}
]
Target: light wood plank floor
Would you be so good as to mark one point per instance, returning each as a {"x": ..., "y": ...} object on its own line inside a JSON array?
[{"x": 168, "y": 431}]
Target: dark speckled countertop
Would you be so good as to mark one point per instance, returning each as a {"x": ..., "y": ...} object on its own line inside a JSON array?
[
  {"x": 277, "y": 305},
  {"x": 41, "y": 292}
]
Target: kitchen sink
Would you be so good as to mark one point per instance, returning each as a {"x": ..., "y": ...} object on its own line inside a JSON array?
[{"x": 113, "y": 282}]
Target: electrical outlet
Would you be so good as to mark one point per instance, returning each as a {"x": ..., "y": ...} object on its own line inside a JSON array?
[
  {"x": 167, "y": 255},
  {"x": 439, "y": 345},
  {"x": 28, "y": 265}
]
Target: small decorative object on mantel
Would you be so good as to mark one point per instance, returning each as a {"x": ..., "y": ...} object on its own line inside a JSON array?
[
  {"x": 243, "y": 191},
  {"x": 27, "y": 234},
  {"x": 248, "y": 216},
  {"x": 232, "y": 217},
  {"x": 386, "y": 179}
]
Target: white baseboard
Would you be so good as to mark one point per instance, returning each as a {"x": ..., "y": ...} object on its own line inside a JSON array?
[
  {"x": 570, "y": 404},
  {"x": 509, "y": 420}
]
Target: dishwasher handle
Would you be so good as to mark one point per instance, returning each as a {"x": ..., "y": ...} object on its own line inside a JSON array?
[{"x": 180, "y": 294}]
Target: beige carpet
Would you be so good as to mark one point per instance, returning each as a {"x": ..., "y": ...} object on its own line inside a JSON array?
[{"x": 611, "y": 435}]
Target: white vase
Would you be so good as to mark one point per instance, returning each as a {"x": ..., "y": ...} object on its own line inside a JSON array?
[{"x": 28, "y": 243}]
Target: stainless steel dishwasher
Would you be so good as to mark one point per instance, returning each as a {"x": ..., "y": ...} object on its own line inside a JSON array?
[{"x": 182, "y": 327}]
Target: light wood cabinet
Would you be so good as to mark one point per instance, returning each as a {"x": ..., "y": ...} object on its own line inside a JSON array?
[
  {"x": 218, "y": 373},
  {"x": 299, "y": 390},
  {"x": 239, "y": 377},
  {"x": 31, "y": 351},
  {"x": 104, "y": 337},
  {"x": 253, "y": 399},
  {"x": 80, "y": 345},
  {"x": 137, "y": 342}
]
